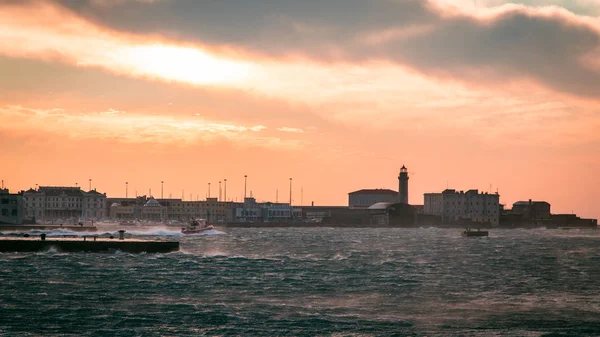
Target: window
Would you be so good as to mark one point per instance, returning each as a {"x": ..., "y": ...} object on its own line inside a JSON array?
[
  {"x": 5, "y": 201},
  {"x": 4, "y": 212},
  {"x": 14, "y": 212}
]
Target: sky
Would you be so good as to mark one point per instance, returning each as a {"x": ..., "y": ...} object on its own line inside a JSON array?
[{"x": 336, "y": 94}]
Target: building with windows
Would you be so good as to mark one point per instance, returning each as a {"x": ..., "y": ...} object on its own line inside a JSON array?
[
  {"x": 11, "y": 207},
  {"x": 154, "y": 211},
  {"x": 58, "y": 202},
  {"x": 532, "y": 210},
  {"x": 454, "y": 206},
  {"x": 148, "y": 208},
  {"x": 367, "y": 197}
]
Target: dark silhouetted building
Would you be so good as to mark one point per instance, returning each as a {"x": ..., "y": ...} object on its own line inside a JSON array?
[
  {"x": 11, "y": 208},
  {"x": 366, "y": 198},
  {"x": 532, "y": 210}
]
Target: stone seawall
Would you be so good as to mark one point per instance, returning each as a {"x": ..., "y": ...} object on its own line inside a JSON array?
[{"x": 87, "y": 245}]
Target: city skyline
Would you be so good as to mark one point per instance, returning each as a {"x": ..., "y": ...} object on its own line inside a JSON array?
[
  {"x": 337, "y": 95},
  {"x": 247, "y": 192}
]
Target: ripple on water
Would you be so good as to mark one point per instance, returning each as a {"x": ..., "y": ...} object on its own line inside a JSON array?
[{"x": 309, "y": 282}]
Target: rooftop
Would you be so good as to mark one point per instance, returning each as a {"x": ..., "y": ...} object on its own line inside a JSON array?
[
  {"x": 63, "y": 190},
  {"x": 525, "y": 203},
  {"x": 375, "y": 191},
  {"x": 381, "y": 205},
  {"x": 152, "y": 203}
]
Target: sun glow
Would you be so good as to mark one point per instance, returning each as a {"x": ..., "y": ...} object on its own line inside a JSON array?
[{"x": 183, "y": 64}]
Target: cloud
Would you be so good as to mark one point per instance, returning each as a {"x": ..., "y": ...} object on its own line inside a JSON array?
[
  {"x": 490, "y": 46},
  {"x": 136, "y": 128},
  {"x": 119, "y": 2},
  {"x": 378, "y": 75},
  {"x": 287, "y": 129}
]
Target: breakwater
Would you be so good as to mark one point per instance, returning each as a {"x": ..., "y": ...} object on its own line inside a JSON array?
[{"x": 86, "y": 244}]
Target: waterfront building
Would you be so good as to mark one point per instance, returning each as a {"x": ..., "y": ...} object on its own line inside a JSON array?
[
  {"x": 169, "y": 209},
  {"x": 122, "y": 211},
  {"x": 367, "y": 197},
  {"x": 321, "y": 213},
  {"x": 380, "y": 213},
  {"x": 250, "y": 211},
  {"x": 452, "y": 205},
  {"x": 59, "y": 202},
  {"x": 212, "y": 209},
  {"x": 275, "y": 212},
  {"x": 532, "y": 210},
  {"x": 11, "y": 207},
  {"x": 154, "y": 211}
]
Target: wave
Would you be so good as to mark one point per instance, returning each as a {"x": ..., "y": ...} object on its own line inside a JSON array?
[
  {"x": 53, "y": 233},
  {"x": 169, "y": 232}
]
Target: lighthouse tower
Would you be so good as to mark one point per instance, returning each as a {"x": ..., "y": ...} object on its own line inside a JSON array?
[{"x": 403, "y": 186}]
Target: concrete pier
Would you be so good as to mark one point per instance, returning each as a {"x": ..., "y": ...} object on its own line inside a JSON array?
[
  {"x": 86, "y": 244},
  {"x": 73, "y": 228}
]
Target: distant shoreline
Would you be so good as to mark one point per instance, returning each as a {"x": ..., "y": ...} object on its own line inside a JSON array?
[{"x": 75, "y": 228}]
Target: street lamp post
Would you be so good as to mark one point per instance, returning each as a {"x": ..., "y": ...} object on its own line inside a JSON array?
[
  {"x": 245, "y": 183},
  {"x": 290, "y": 192},
  {"x": 209, "y": 190},
  {"x": 90, "y": 185},
  {"x": 225, "y": 180},
  {"x": 161, "y": 189}
]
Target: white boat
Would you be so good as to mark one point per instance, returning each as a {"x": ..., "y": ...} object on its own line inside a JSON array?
[{"x": 197, "y": 226}]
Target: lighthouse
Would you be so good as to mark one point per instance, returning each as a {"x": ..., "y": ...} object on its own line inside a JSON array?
[{"x": 403, "y": 186}]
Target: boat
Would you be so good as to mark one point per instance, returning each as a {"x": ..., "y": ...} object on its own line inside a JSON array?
[
  {"x": 197, "y": 226},
  {"x": 478, "y": 232}
]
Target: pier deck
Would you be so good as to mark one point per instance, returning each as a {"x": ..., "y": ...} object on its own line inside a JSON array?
[{"x": 89, "y": 244}]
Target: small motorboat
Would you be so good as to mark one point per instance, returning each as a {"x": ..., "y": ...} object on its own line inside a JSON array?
[
  {"x": 478, "y": 232},
  {"x": 197, "y": 226}
]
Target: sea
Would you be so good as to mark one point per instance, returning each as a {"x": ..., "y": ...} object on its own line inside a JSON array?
[{"x": 312, "y": 282}]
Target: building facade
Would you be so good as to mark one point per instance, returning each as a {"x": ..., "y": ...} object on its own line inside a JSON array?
[
  {"x": 58, "y": 202},
  {"x": 368, "y": 197},
  {"x": 11, "y": 207},
  {"x": 452, "y": 205},
  {"x": 532, "y": 210},
  {"x": 212, "y": 209}
]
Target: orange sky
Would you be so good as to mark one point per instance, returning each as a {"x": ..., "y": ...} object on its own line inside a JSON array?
[{"x": 502, "y": 95}]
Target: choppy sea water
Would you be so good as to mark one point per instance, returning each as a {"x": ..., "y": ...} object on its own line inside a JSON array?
[{"x": 313, "y": 282}]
